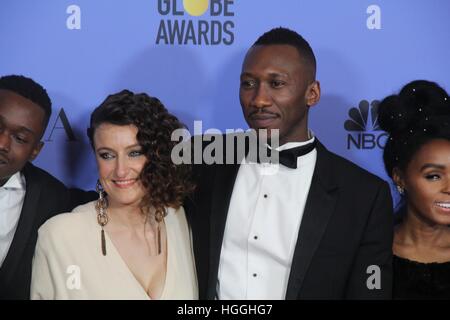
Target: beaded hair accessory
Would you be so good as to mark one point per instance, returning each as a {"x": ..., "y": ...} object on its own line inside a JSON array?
[{"x": 417, "y": 128}]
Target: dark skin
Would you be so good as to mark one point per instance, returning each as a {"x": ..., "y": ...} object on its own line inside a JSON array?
[
  {"x": 277, "y": 89},
  {"x": 21, "y": 128},
  {"x": 424, "y": 234}
]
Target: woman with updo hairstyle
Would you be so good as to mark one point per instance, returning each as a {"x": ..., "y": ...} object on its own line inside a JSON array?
[
  {"x": 134, "y": 241},
  {"x": 417, "y": 158}
]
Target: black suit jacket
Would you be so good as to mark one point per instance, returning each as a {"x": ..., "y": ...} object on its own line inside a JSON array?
[
  {"x": 347, "y": 226},
  {"x": 45, "y": 197}
]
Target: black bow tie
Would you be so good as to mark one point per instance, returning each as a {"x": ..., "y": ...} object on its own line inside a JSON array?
[{"x": 288, "y": 157}]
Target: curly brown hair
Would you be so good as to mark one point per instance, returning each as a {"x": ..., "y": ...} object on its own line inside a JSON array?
[{"x": 167, "y": 183}]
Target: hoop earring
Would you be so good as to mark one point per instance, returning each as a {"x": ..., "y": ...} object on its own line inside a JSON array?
[{"x": 102, "y": 217}]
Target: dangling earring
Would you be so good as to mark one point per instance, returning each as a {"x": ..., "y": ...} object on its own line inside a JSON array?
[
  {"x": 400, "y": 189},
  {"x": 159, "y": 217},
  {"x": 102, "y": 218}
]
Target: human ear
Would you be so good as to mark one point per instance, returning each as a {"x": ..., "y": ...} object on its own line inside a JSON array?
[
  {"x": 36, "y": 150},
  {"x": 398, "y": 177},
  {"x": 313, "y": 93}
]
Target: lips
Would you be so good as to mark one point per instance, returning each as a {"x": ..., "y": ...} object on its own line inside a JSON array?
[
  {"x": 263, "y": 120},
  {"x": 124, "y": 183},
  {"x": 3, "y": 160},
  {"x": 443, "y": 206}
]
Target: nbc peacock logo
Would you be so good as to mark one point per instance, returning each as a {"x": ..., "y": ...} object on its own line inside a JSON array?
[
  {"x": 362, "y": 125},
  {"x": 195, "y": 22}
]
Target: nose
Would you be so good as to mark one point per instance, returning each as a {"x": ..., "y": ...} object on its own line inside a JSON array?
[
  {"x": 5, "y": 141},
  {"x": 261, "y": 97},
  {"x": 446, "y": 186},
  {"x": 122, "y": 168}
]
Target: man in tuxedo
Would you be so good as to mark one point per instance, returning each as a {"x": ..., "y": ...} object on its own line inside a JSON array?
[
  {"x": 320, "y": 227},
  {"x": 28, "y": 195}
]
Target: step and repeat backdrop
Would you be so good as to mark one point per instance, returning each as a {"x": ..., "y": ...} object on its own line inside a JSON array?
[{"x": 188, "y": 53}]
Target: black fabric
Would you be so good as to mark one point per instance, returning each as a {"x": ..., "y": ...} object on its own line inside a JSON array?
[
  {"x": 45, "y": 197},
  {"x": 346, "y": 228},
  {"x": 288, "y": 157},
  {"x": 416, "y": 280}
]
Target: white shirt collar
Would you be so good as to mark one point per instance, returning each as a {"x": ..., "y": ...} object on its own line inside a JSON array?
[
  {"x": 15, "y": 182},
  {"x": 290, "y": 145}
]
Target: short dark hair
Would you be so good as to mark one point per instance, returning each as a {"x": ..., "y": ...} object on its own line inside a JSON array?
[
  {"x": 167, "y": 184},
  {"x": 286, "y": 36},
  {"x": 31, "y": 90},
  {"x": 418, "y": 114}
]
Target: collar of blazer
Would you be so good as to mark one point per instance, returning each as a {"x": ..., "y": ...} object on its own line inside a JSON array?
[
  {"x": 319, "y": 207},
  {"x": 25, "y": 224}
]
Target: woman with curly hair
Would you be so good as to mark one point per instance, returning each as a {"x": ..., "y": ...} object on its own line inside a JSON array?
[
  {"x": 417, "y": 158},
  {"x": 134, "y": 241}
]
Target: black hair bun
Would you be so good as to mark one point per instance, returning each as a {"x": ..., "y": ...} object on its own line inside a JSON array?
[{"x": 418, "y": 102}]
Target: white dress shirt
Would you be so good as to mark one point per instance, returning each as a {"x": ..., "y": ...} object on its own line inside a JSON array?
[
  {"x": 12, "y": 194},
  {"x": 262, "y": 226}
]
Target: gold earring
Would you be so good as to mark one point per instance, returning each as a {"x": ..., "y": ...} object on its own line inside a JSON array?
[
  {"x": 159, "y": 217},
  {"x": 102, "y": 218}
]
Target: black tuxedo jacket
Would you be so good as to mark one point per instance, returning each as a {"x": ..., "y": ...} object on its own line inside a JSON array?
[
  {"x": 45, "y": 197},
  {"x": 347, "y": 226}
]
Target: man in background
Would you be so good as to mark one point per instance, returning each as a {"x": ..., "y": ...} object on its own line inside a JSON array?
[{"x": 28, "y": 195}]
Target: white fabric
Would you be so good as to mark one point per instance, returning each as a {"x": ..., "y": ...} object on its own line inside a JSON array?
[
  {"x": 12, "y": 194},
  {"x": 69, "y": 244},
  {"x": 267, "y": 203}
]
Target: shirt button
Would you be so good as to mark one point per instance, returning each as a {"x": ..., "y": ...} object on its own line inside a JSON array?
[
  {"x": 254, "y": 275},
  {"x": 265, "y": 196},
  {"x": 255, "y": 237}
]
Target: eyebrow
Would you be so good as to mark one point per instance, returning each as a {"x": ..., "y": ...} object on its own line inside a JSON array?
[
  {"x": 271, "y": 74},
  {"x": 109, "y": 149},
  {"x": 27, "y": 130},
  {"x": 18, "y": 128},
  {"x": 432, "y": 165}
]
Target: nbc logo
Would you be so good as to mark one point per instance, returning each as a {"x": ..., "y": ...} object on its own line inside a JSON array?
[{"x": 362, "y": 126}]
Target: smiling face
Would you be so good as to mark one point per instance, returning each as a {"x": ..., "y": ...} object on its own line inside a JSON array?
[
  {"x": 277, "y": 90},
  {"x": 427, "y": 183},
  {"x": 120, "y": 161},
  {"x": 21, "y": 127}
]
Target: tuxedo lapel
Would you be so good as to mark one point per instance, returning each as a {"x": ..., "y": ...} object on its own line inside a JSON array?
[
  {"x": 24, "y": 227},
  {"x": 221, "y": 195},
  {"x": 319, "y": 206}
]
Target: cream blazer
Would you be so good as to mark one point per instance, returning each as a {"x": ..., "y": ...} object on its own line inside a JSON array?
[{"x": 68, "y": 261}]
